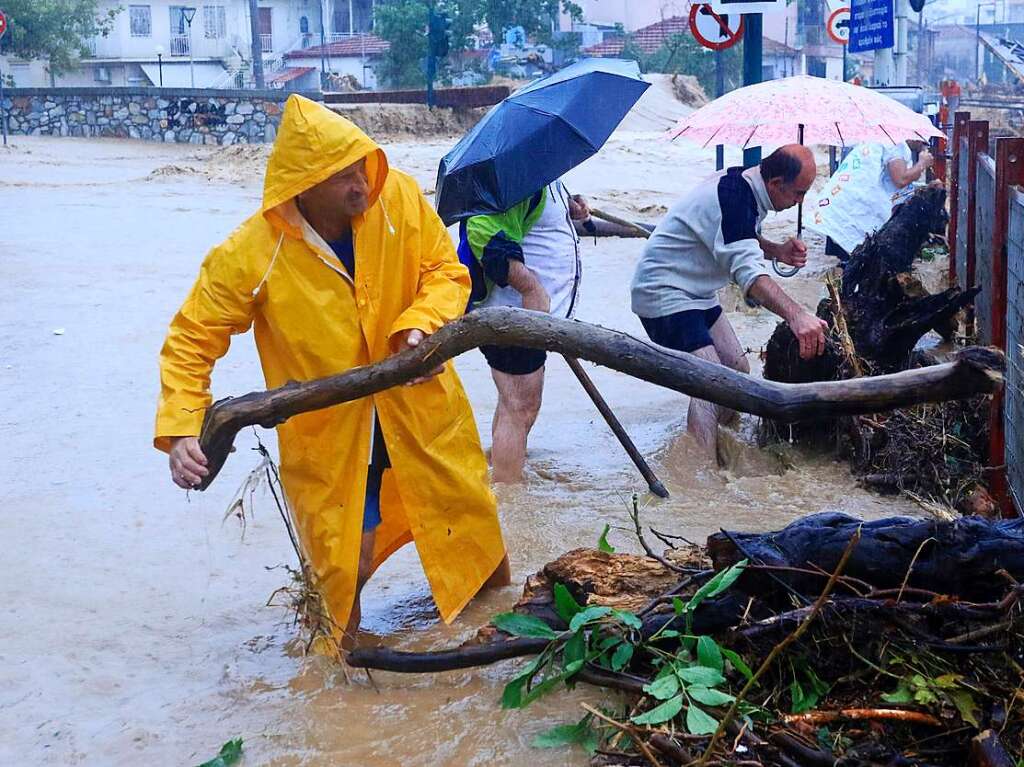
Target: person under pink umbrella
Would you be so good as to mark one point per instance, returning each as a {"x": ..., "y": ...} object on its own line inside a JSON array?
[{"x": 709, "y": 238}]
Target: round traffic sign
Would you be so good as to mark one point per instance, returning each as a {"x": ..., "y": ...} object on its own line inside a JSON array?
[
  {"x": 716, "y": 31},
  {"x": 3, "y": 23},
  {"x": 839, "y": 25}
]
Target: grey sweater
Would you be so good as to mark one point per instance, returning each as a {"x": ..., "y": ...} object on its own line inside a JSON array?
[{"x": 707, "y": 239}]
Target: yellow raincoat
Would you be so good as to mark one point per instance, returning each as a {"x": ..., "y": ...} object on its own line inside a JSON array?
[{"x": 277, "y": 274}]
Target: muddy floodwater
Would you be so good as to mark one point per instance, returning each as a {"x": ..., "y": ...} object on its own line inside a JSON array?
[{"x": 133, "y": 618}]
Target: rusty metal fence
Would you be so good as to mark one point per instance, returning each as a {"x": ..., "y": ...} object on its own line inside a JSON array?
[
  {"x": 986, "y": 239},
  {"x": 1014, "y": 403},
  {"x": 984, "y": 220}
]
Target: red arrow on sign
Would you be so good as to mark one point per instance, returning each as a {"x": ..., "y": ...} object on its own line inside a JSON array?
[{"x": 726, "y": 36}]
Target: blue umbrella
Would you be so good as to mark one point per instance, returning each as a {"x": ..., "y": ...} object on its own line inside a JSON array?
[{"x": 535, "y": 135}]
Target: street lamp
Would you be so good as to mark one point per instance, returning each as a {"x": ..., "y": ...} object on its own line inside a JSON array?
[
  {"x": 188, "y": 14},
  {"x": 977, "y": 35},
  {"x": 160, "y": 63}
]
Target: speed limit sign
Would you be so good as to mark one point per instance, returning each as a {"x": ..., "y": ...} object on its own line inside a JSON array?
[{"x": 3, "y": 23}]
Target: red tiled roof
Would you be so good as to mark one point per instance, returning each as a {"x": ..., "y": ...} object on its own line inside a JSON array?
[
  {"x": 648, "y": 39},
  {"x": 775, "y": 48},
  {"x": 289, "y": 74},
  {"x": 356, "y": 46}
]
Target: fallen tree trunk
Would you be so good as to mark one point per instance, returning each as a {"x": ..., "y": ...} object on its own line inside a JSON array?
[{"x": 975, "y": 370}]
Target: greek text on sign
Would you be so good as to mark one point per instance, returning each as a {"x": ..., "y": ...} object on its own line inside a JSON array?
[
  {"x": 745, "y": 6},
  {"x": 871, "y": 25},
  {"x": 716, "y": 31},
  {"x": 839, "y": 25}
]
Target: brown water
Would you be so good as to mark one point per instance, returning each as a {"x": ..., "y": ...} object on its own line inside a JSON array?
[{"x": 133, "y": 627}]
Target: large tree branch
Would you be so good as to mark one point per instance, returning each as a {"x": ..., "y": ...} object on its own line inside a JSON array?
[{"x": 974, "y": 371}]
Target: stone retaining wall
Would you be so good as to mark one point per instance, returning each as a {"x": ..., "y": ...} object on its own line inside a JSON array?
[{"x": 188, "y": 115}]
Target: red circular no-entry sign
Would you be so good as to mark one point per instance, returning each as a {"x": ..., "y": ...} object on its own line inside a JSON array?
[
  {"x": 716, "y": 31},
  {"x": 839, "y": 25},
  {"x": 3, "y": 23}
]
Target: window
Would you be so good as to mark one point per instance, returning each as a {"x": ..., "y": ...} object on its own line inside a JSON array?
[
  {"x": 214, "y": 22},
  {"x": 140, "y": 19}
]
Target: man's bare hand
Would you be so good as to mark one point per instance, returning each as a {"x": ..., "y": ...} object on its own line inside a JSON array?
[
  {"x": 579, "y": 208},
  {"x": 410, "y": 339},
  {"x": 810, "y": 332},
  {"x": 925, "y": 159},
  {"x": 188, "y": 464},
  {"x": 793, "y": 252}
]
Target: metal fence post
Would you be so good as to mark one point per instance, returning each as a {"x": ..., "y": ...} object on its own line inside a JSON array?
[
  {"x": 977, "y": 143},
  {"x": 960, "y": 121},
  {"x": 1009, "y": 173}
]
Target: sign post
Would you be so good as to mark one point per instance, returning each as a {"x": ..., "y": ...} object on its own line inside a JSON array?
[
  {"x": 3, "y": 109},
  {"x": 873, "y": 28},
  {"x": 753, "y": 71},
  {"x": 839, "y": 30}
]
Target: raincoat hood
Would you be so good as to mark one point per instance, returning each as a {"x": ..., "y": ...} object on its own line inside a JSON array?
[{"x": 313, "y": 143}]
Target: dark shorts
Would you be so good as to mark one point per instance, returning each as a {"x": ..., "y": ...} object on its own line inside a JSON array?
[
  {"x": 514, "y": 360},
  {"x": 380, "y": 462},
  {"x": 683, "y": 331}
]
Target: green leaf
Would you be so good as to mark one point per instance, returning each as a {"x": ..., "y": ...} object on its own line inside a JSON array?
[
  {"x": 669, "y": 634},
  {"x": 901, "y": 694},
  {"x": 575, "y": 649},
  {"x": 565, "y": 605},
  {"x": 737, "y": 662},
  {"x": 579, "y": 734},
  {"x": 512, "y": 695},
  {"x": 966, "y": 705},
  {"x": 627, "y": 618},
  {"x": 678, "y": 605},
  {"x": 661, "y": 713},
  {"x": 709, "y": 654},
  {"x": 229, "y": 754},
  {"x": 708, "y": 696},
  {"x": 716, "y": 585},
  {"x": 664, "y": 687},
  {"x": 702, "y": 675},
  {"x": 523, "y": 625},
  {"x": 587, "y": 614},
  {"x": 800, "y": 700},
  {"x": 623, "y": 654},
  {"x": 602, "y": 542},
  {"x": 700, "y": 723}
]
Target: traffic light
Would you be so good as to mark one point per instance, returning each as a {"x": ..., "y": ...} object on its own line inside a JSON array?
[
  {"x": 438, "y": 26},
  {"x": 917, "y": 5}
]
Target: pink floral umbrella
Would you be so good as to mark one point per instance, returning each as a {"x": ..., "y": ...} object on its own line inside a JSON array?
[{"x": 808, "y": 110}]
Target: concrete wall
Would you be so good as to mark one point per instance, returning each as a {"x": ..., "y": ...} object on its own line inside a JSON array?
[{"x": 191, "y": 115}]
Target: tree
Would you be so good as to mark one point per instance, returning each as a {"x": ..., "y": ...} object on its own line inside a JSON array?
[
  {"x": 403, "y": 23},
  {"x": 681, "y": 54},
  {"x": 532, "y": 15},
  {"x": 57, "y": 30}
]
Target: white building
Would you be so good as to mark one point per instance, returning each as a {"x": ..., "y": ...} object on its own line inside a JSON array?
[{"x": 176, "y": 43}]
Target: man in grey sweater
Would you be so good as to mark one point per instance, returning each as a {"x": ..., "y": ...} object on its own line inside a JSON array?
[{"x": 708, "y": 238}]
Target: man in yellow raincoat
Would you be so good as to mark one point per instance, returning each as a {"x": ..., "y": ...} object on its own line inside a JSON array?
[{"x": 345, "y": 264}]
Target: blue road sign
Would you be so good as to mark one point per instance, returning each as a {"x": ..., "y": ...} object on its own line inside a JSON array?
[{"x": 872, "y": 25}]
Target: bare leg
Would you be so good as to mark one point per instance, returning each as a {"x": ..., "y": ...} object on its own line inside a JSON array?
[
  {"x": 365, "y": 563},
  {"x": 519, "y": 399},
  {"x": 702, "y": 417},
  {"x": 502, "y": 575},
  {"x": 730, "y": 353}
]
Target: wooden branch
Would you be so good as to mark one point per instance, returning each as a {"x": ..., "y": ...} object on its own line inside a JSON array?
[
  {"x": 816, "y": 718},
  {"x": 975, "y": 371},
  {"x": 468, "y": 656}
]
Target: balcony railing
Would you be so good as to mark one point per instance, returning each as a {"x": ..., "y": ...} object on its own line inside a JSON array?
[
  {"x": 267, "y": 43},
  {"x": 180, "y": 45}
]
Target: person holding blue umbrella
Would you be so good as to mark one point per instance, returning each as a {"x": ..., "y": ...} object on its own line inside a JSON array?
[
  {"x": 528, "y": 257},
  {"x": 517, "y": 232}
]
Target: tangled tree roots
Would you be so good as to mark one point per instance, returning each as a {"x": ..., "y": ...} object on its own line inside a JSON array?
[{"x": 894, "y": 642}]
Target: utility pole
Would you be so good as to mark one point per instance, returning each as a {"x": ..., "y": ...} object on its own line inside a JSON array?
[
  {"x": 753, "y": 69},
  {"x": 901, "y": 48},
  {"x": 257, "y": 46},
  {"x": 719, "y": 92}
]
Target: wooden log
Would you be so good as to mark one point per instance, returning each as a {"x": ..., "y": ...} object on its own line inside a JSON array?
[
  {"x": 957, "y": 558},
  {"x": 974, "y": 371}
]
